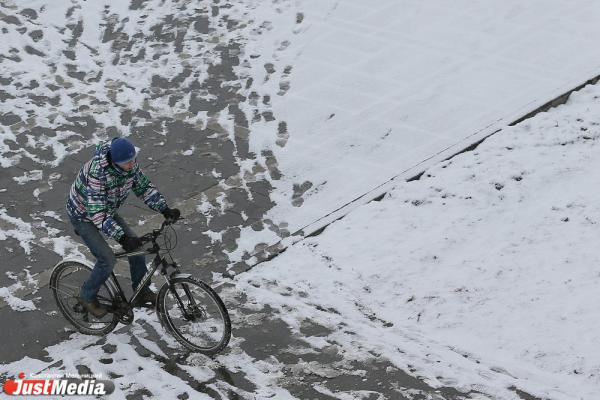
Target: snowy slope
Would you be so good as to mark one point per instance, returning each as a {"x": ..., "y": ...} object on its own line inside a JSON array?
[
  {"x": 484, "y": 272},
  {"x": 377, "y": 90}
]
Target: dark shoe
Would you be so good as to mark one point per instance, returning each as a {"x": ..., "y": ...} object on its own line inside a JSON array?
[
  {"x": 146, "y": 299},
  {"x": 94, "y": 308}
]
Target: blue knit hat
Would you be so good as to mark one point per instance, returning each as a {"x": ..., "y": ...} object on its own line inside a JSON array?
[{"x": 121, "y": 150}]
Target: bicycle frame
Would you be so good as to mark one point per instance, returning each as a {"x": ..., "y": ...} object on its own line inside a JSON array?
[{"x": 158, "y": 261}]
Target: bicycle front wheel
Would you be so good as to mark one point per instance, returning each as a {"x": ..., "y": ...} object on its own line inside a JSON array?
[{"x": 194, "y": 314}]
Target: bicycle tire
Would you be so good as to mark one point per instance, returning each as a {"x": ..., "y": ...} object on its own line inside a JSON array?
[
  {"x": 66, "y": 298},
  {"x": 207, "y": 303}
]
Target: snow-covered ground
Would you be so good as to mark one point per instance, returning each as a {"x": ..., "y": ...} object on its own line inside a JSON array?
[
  {"x": 484, "y": 272},
  {"x": 480, "y": 276},
  {"x": 377, "y": 90},
  {"x": 334, "y": 98}
]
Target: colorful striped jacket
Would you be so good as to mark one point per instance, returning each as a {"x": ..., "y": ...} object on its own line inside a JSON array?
[{"x": 101, "y": 188}]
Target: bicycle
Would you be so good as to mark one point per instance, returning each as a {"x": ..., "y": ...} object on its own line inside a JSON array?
[{"x": 186, "y": 307}]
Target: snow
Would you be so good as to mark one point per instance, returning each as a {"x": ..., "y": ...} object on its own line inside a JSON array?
[
  {"x": 118, "y": 357},
  {"x": 383, "y": 90},
  {"x": 9, "y": 294},
  {"x": 482, "y": 272},
  {"x": 214, "y": 236},
  {"x": 189, "y": 152},
  {"x": 353, "y": 395},
  {"x": 35, "y": 175},
  {"x": 19, "y": 230},
  {"x": 64, "y": 246},
  {"x": 52, "y": 214},
  {"x": 480, "y": 276},
  {"x": 14, "y": 302}
]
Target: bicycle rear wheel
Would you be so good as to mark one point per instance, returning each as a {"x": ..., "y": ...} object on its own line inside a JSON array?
[
  {"x": 194, "y": 314},
  {"x": 67, "y": 277}
]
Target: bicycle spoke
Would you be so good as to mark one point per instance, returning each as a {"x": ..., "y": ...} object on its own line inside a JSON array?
[
  {"x": 70, "y": 286},
  {"x": 68, "y": 294}
]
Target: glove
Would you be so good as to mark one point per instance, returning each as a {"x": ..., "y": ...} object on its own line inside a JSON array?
[
  {"x": 171, "y": 214},
  {"x": 130, "y": 243}
]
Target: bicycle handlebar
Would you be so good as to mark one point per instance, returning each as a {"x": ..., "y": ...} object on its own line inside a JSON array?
[{"x": 151, "y": 236}]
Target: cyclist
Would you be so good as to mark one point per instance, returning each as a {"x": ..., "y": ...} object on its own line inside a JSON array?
[{"x": 101, "y": 187}]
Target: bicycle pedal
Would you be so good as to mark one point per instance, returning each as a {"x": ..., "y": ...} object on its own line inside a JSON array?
[{"x": 78, "y": 308}]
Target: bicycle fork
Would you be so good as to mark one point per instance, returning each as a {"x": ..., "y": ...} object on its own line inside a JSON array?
[{"x": 191, "y": 312}]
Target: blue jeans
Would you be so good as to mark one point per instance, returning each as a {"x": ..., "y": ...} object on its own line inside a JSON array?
[{"x": 105, "y": 257}]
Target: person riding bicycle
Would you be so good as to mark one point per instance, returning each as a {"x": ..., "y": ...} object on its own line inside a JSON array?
[{"x": 100, "y": 188}]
